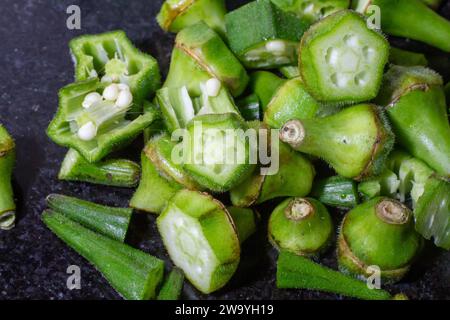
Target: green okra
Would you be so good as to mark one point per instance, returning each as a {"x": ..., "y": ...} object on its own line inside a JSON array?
[
  {"x": 7, "y": 161},
  {"x": 336, "y": 192},
  {"x": 432, "y": 211},
  {"x": 172, "y": 286},
  {"x": 96, "y": 129},
  {"x": 217, "y": 154},
  {"x": 312, "y": 10},
  {"x": 302, "y": 226},
  {"x": 201, "y": 239},
  {"x": 354, "y": 141},
  {"x": 176, "y": 15},
  {"x": 245, "y": 220},
  {"x": 265, "y": 84},
  {"x": 134, "y": 274},
  {"x": 410, "y": 19},
  {"x": 406, "y": 58},
  {"x": 112, "y": 58},
  {"x": 294, "y": 178},
  {"x": 341, "y": 60},
  {"x": 296, "y": 272},
  {"x": 154, "y": 190},
  {"x": 379, "y": 232},
  {"x": 113, "y": 172},
  {"x": 290, "y": 71},
  {"x": 249, "y": 107},
  {"x": 109, "y": 221},
  {"x": 386, "y": 184},
  {"x": 415, "y": 104},
  {"x": 157, "y": 126},
  {"x": 291, "y": 101},
  {"x": 199, "y": 55},
  {"x": 263, "y": 36}
]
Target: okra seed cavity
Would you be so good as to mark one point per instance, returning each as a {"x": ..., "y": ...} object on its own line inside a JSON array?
[
  {"x": 299, "y": 210},
  {"x": 392, "y": 212},
  {"x": 111, "y": 92},
  {"x": 87, "y": 132},
  {"x": 293, "y": 133},
  {"x": 124, "y": 99},
  {"x": 277, "y": 47},
  {"x": 90, "y": 99},
  {"x": 213, "y": 86}
]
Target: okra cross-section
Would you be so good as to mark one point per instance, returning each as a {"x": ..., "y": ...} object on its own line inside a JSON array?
[
  {"x": 91, "y": 118},
  {"x": 216, "y": 151},
  {"x": 341, "y": 60},
  {"x": 263, "y": 36},
  {"x": 201, "y": 239}
]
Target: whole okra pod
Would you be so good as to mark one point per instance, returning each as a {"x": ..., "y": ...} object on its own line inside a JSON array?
[{"x": 7, "y": 161}]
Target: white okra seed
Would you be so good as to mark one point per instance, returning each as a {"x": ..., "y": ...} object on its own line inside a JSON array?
[
  {"x": 87, "y": 132},
  {"x": 90, "y": 99},
  {"x": 213, "y": 86},
  {"x": 111, "y": 92},
  {"x": 124, "y": 99},
  {"x": 123, "y": 86},
  {"x": 276, "y": 46}
]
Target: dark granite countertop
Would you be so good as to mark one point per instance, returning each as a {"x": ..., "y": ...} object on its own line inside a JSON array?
[{"x": 34, "y": 64}]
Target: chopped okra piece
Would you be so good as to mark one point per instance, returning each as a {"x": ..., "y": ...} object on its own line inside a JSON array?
[
  {"x": 408, "y": 92},
  {"x": 302, "y": 226},
  {"x": 290, "y": 72},
  {"x": 336, "y": 192},
  {"x": 355, "y": 141},
  {"x": 432, "y": 211},
  {"x": 263, "y": 36},
  {"x": 217, "y": 153},
  {"x": 112, "y": 58},
  {"x": 134, "y": 274},
  {"x": 386, "y": 184},
  {"x": 176, "y": 15},
  {"x": 157, "y": 126},
  {"x": 291, "y": 101},
  {"x": 7, "y": 161},
  {"x": 201, "y": 239},
  {"x": 250, "y": 108},
  {"x": 378, "y": 232},
  {"x": 406, "y": 58},
  {"x": 341, "y": 60},
  {"x": 265, "y": 84},
  {"x": 109, "y": 221},
  {"x": 91, "y": 118},
  {"x": 245, "y": 220},
  {"x": 154, "y": 190},
  {"x": 172, "y": 286},
  {"x": 410, "y": 19},
  {"x": 199, "y": 55},
  {"x": 112, "y": 172}
]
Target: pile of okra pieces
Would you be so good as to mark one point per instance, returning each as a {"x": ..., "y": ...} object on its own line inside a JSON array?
[{"x": 255, "y": 101}]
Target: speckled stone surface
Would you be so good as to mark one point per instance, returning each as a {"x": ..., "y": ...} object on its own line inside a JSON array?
[{"x": 34, "y": 64}]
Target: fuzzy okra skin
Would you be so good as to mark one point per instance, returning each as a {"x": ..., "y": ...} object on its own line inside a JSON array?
[
  {"x": 410, "y": 19},
  {"x": 296, "y": 272},
  {"x": 406, "y": 58},
  {"x": 113, "y": 172},
  {"x": 201, "y": 239},
  {"x": 172, "y": 286},
  {"x": 379, "y": 232},
  {"x": 263, "y": 36},
  {"x": 341, "y": 60},
  {"x": 432, "y": 211},
  {"x": 302, "y": 226},
  {"x": 7, "y": 161},
  {"x": 336, "y": 192},
  {"x": 109, "y": 221},
  {"x": 415, "y": 104},
  {"x": 200, "y": 54},
  {"x": 134, "y": 274},
  {"x": 354, "y": 141},
  {"x": 154, "y": 190},
  {"x": 112, "y": 58},
  {"x": 176, "y": 15},
  {"x": 265, "y": 84}
]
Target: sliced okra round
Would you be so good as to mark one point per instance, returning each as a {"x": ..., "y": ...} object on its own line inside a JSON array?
[
  {"x": 7, "y": 161},
  {"x": 216, "y": 152},
  {"x": 341, "y": 60},
  {"x": 201, "y": 239},
  {"x": 91, "y": 118},
  {"x": 379, "y": 233},
  {"x": 112, "y": 58},
  {"x": 176, "y": 15},
  {"x": 300, "y": 225},
  {"x": 355, "y": 141},
  {"x": 263, "y": 36}
]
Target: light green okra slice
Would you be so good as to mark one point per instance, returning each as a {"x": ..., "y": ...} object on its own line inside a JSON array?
[
  {"x": 341, "y": 60},
  {"x": 7, "y": 161}
]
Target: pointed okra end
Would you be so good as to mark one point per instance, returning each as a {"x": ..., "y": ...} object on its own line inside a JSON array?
[
  {"x": 378, "y": 233},
  {"x": 201, "y": 239},
  {"x": 341, "y": 60}
]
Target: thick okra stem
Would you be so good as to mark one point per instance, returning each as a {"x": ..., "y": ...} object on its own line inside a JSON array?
[
  {"x": 134, "y": 274},
  {"x": 114, "y": 172},
  {"x": 7, "y": 161},
  {"x": 109, "y": 221},
  {"x": 336, "y": 192},
  {"x": 298, "y": 272},
  {"x": 172, "y": 286}
]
